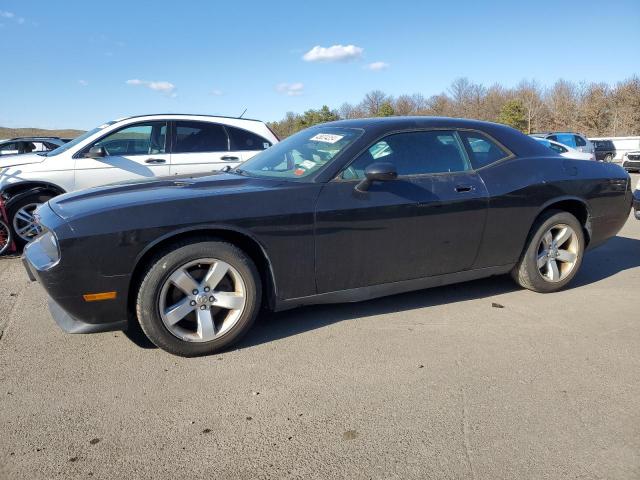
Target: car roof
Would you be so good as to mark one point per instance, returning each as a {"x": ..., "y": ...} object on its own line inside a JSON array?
[
  {"x": 181, "y": 115},
  {"x": 413, "y": 121},
  {"x": 16, "y": 139},
  {"x": 514, "y": 140}
]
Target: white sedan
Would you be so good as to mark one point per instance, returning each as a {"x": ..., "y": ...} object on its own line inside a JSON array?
[{"x": 564, "y": 150}]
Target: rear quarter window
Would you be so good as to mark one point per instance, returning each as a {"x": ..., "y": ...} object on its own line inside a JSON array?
[
  {"x": 481, "y": 149},
  {"x": 245, "y": 140}
]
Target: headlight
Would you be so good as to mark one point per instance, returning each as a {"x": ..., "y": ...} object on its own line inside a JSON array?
[{"x": 44, "y": 251}]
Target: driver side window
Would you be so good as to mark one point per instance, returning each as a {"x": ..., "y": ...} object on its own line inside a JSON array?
[
  {"x": 413, "y": 153},
  {"x": 140, "y": 139}
]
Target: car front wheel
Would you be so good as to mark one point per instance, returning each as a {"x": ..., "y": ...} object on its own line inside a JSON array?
[
  {"x": 553, "y": 255},
  {"x": 198, "y": 298},
  {"x": 21, "y": 219}
]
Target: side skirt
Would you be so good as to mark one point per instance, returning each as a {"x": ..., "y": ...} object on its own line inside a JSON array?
[{"x": 374, "y": 291}]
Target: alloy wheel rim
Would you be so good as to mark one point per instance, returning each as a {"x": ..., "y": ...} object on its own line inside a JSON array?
[
  {"x": 557, "y": 253},
  {"x": 5, "y": 237},
  {"x": 202, "y": 300},
  {"x": 24, "y": 223}
]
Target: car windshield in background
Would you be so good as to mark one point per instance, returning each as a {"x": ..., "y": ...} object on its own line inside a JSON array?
[
  {"x": 300, "y": 155},
  {"x": 75, "y": 141}
]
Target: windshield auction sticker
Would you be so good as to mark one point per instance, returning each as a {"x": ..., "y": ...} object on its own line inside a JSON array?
[{"x": 326, "y": 138}]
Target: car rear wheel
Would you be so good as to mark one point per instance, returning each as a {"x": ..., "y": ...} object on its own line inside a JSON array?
[
  {"x": 608, "y": 157},
  {"x": 198, "y": 298},
  {"x": 553, "y": 255},
  {"x": 21, "y": 219}
]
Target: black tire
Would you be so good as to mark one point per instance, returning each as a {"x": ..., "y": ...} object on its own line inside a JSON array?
[
  {"x": 608, "y": 157},
  {"x": 526, "y": 272},
  {"x": 6, "y": 237},
  {"x": 164, "y": 264},
  {"x": 14, "y": 207}
]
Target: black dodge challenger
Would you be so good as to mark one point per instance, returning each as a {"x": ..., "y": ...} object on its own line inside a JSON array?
[{"x": 340, "y": 212}]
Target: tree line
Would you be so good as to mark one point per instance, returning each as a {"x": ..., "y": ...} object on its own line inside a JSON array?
[{"x": 594, "y": 109}]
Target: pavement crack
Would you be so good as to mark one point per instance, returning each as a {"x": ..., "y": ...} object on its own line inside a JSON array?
[{"x": 466, "y": 442}]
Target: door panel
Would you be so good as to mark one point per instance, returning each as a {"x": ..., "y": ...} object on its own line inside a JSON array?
[
  {"x": 405, "y": 229},
  {"x": 366, "y": 238},
  {"x": 453, "y": 221},
  {"x": 92, "y": 172},
  {"x": 427, "y": 222},
  {"x": 134, "y": 152}
]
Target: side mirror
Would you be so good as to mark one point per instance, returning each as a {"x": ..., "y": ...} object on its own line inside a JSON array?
[
  {"x": 379, "y": 171},
  {"x": 96, "y": 152}
]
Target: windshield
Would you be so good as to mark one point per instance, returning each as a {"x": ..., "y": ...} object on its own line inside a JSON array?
[
  {"x": 76, "y": 141},
  {"x": 300, "y": 155}
]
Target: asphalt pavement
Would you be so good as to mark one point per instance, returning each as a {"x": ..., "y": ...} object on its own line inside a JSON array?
[{"x": 481, "y": 380}]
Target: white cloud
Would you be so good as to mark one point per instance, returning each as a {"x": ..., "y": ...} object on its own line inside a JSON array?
[
  {"x": 290, "y": 89},
  {"x": 377, "y": 66},
  {"x": 12, "y": 16},
  {"x": 216, "y": 93},
  {"x": 335, "y": 53},
  {"x": 159, "y": 86},
  {"x": 83, "y": 83}
]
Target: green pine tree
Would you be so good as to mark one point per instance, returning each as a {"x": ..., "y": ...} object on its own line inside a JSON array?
[{"x": 512, "y": 113}]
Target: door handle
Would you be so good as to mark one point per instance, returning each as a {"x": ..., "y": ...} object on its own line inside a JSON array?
[
  {"x": 155, "y": 160},
  {"x": 229, "y": 158},
  {"x": 465, "y": 188}
]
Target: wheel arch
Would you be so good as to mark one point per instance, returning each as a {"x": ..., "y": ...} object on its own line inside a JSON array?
[
  {"x": 241, "y": 239},
  {"x": 573, "y": 205},
  {"x": 15, "y": 191}
]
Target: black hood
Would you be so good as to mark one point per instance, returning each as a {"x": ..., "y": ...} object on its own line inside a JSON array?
[{"x": 155, "y": 191}]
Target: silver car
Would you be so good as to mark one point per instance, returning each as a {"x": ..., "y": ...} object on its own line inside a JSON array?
[{"x": 574, "y": 140}]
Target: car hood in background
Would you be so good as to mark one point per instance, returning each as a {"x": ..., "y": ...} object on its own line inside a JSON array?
[
  {"x": 158, "y": 191},
  {"x": 20, "y": 159}
]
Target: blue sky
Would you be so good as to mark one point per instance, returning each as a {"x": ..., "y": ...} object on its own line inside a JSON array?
[{"x": 75, "y": 64}]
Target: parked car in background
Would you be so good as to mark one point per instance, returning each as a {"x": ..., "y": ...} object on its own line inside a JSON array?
[
  {"x": 340, "y": 212},
  {"x": 622, "y": 145},
  {"x": 20, "y": 145},
  {"x": 605, "y": 150},
  {"x": 570, "y": 139},
  {"x": 127, "y": 149},
  {"x": 564, "y": 150},
  {"x": 631, "y": 161}
]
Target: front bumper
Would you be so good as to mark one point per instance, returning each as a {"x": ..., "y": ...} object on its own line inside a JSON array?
[
  {"x": 66, "y": 303},
  {"x": 631, "y": 162}
]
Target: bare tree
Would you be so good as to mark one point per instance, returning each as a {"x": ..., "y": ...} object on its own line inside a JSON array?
[
  {"x": 409, "y": 104},
  {"x": 562, "y": 102},
  {"x": 495, "y": 98},
  {"x": 594, "y": 110},
  {"x": 348, "y": 111},
  {"x": 440, "y": 105},
  {"x": 589, "y": 108},
  {"x": 626, "y": 107},
  {"x": 372, "y": 102},
  {"x": 530, "y": 94}
]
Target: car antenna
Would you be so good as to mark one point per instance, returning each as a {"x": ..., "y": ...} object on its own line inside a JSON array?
[{"x": 242, "y": 114}]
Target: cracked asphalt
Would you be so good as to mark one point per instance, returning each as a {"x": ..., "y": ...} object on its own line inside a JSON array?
[{"x": 441, "y": 383}]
